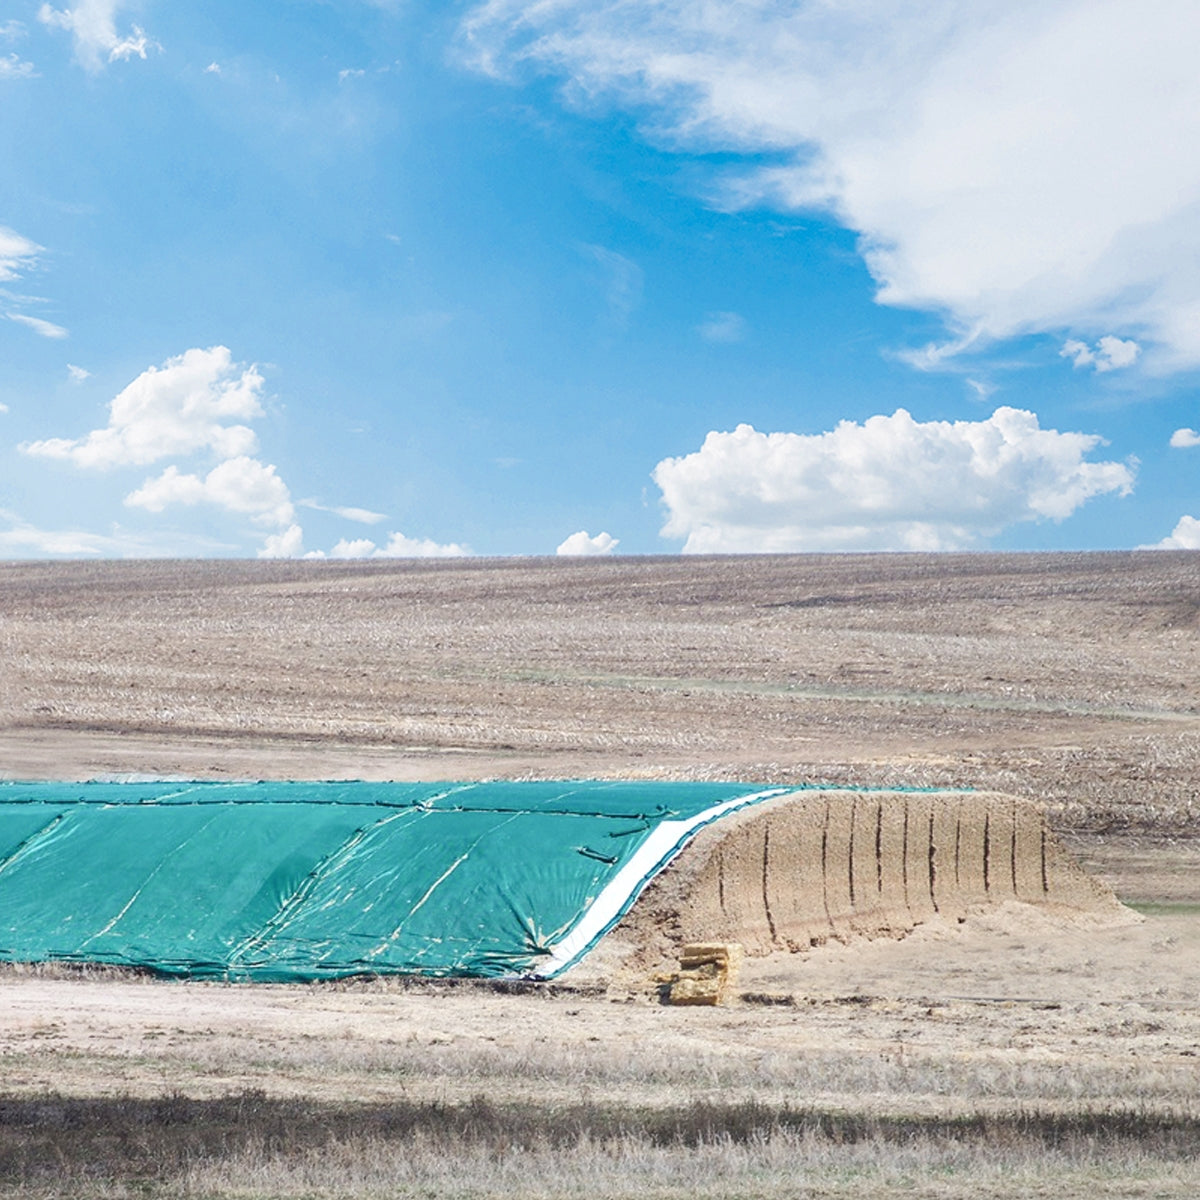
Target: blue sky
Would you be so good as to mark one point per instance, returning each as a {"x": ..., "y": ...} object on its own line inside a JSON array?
[{"x": 349, "y": 278}]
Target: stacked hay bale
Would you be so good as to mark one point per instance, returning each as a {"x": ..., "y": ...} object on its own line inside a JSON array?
[{"x": 707, "y": 975}]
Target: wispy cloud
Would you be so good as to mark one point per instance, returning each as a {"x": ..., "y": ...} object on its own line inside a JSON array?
[
  {"x": 362, "y": 515},
  {"x": 46, "y": 329},
  {"x": 77, "y": 374},
  {"x": 14, "y": 67},
  {"x": 93, "y": 28},
  {"x": 1015, "y": 166},
  {"x": 621, "y": 280},
  {"x": 17, "y": 254},
  {"x": 22, "y": 537},
  {"x": 723, "y": 327}
]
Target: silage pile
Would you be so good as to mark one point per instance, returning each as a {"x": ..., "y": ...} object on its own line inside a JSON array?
[{"x": 827, "y": 865}]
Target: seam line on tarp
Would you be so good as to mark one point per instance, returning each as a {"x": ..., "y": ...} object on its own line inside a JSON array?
[
  {"x": 141, "y": 887},
  {"x": 458, "y": 862},
  {"x": 280, "y": 918},
  {"x": 36, "y": 836}
]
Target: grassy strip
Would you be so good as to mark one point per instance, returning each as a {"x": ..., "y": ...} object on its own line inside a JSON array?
[{"x": 52, "y": 1137}]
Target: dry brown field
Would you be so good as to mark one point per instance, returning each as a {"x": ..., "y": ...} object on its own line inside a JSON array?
[{"x": 1018, "y": 1053}]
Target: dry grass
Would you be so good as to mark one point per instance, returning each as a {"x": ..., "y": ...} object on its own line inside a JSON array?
[{"x": 251, "y": 1146}]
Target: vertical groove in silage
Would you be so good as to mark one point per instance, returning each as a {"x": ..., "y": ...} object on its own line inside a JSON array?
[
  {"x": 892, "y": 810},
  {"x": 969, "y": 866},
  {"x": 917, "y": 846},
  {"x": 865, "y": 868},
  {"x": 837, "y": 862}
]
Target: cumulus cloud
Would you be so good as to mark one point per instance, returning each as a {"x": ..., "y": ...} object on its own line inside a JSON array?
[
  {"x": 398, "y": 546},
  {"x": 353, "y": 548},
  {"x": 46, "y": 329},
  {"x": 195, "y": 402},
  {"x": 288, "y": 544},
  {"x": 93, "y": 28},
  {"x": 1183, "y": 439},
  {"x": 1017, "y": 165},
  {"x": 1185, "y": 536},
  {"x": 17, "y": 253},
  {"x": 891, "y": 483},
  {"x": 241, "y": 485},
  {"x": 191, "y": 402},
  {"x": 1109, "y": 353},
  {"x": 580, "y": 544},
  {"x": 723, "y": 327}
]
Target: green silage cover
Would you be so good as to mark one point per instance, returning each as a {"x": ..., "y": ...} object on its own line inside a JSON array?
[{"x": 303, "y": 881}]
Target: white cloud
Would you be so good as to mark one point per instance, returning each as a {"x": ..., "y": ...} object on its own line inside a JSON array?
[
  {"x": 12, "y": 67},
  {"x": 241, "y": 485},
  {"x": 580, "y": 544},
  {"x": 1017, "y": 165},
  {"x": 1185, "y": 536},
  {"x": 622, "y": 282},
  {"x": 723, "y": 327},
  {"x": 288, "y": 544},
  {"x": 213, "y": 68},
  {"x": 350, "y": 73},
  {"x": 1183, "y": 439},
  {"x": 46, "y": 329},
  {"x": 1110, "y": 353},
  {"x": 891, "y": 483},
  {"x": 353, "y": 548},
  {"x": 77, "y": 374},
  {"x": 364, "y": 516},
  {"x": 183, "y": 406},
  {"x": 398, "y": 546},
  {"x": 23, "y": 538},
  {"x": 93, "y": 26},
  {"x": 3, "y": 408},
  {"x": 17, "y": 253}
]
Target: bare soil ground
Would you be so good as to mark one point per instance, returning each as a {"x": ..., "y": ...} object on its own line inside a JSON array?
[{"x": 1067, "y": 679}]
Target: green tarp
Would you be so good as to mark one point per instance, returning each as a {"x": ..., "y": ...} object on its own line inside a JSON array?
[{"x": 301, "y": 881}]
